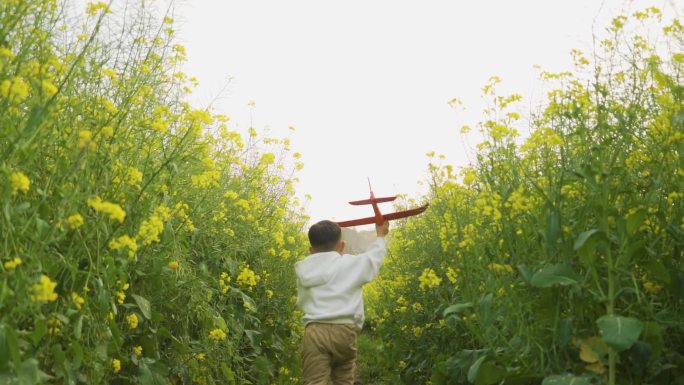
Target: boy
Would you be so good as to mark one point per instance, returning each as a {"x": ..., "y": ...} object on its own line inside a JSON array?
[{"x": 329, "y": 293}]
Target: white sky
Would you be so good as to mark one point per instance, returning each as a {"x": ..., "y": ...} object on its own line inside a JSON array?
[{"x": 366, "y": 82}]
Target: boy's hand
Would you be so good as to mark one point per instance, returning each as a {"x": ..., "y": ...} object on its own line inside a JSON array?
[{"x": 382, "y": 229}]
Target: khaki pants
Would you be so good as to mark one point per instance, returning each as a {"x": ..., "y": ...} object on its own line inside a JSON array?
[{"x": 329, "y": 354}]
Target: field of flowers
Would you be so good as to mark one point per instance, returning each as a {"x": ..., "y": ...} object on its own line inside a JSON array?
[
  {"x": 557, "y": 259},
  {"x": 145, "y": 241},
  {"x": 141, "y": 240}
]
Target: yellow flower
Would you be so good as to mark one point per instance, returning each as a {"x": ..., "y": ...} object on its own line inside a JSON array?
[
  {"x": 93, "y": 8},
  {"x": 217, "y": 335},
  {"x": 137, "y": 350},
  {"x": 224, "y": 281},
  {"x": 452, "y": 275},
  {"x": 499, "y": 268},
  {"x": 429, "y": 279},
  {"x": 247, "y": 277},
  {"x": 149, "y": 230},
  {"x": 110, "y": 73},
  {"x": 78, "y": 300},
  {"x": 49, "y": 88},
  {"x": 132, "y": 321},
  {"x": 134, "y": 177},
  {"x": 124, "y": 241},
  {"x": 113, "y": 210},
  {"x": 84, "y": 138},
  {"x": 54, "y": 325},
  {"x": 116, "y": 365},
  {"x": 75, "y": 221},
  {"x": 172, "y": 265},
  {"x": 269, "y": 293},
  {"x": 207, "y": 179},
  {"x": 12, "y": 264},
  {"x": 120, "y": 297},
  {"x": 652, "y": 288},
  {"x": 19, "y": 182},
  {"x": 44, "y": 290},
  {"x": 16, "y": 90},
  {"x": 200, "y": 356}
]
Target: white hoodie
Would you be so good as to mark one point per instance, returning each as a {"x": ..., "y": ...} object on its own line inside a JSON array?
[{"x": 329, "y": 284}]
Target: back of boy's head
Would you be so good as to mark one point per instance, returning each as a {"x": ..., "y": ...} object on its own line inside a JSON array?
[{"x": 325, "y": 236}]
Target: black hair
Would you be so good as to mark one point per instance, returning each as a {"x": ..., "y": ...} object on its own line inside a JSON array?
[{"x": 325, "y": 235}]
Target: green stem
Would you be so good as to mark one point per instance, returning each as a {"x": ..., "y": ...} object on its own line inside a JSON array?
[{"x": 612, "y": 354}]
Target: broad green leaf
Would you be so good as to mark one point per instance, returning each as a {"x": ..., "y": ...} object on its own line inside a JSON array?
[
  {"x": 29, "y": 373},
  {"x": 152, "y": 372},
  {"x": 552, "y": 228},
  {"x": 640, "y": 355},
  {"x": 40, "y": 329},
  {"x": 653, "y": 335},
  {"x": 228, "y": 374},
  {"x": 657, "y": 270},
  {"x": 565, "y": 330},
  {"x": 456, "y": 308},
  {"x": 143, "y": 305},
  {"x": 558, "y": 379},
  {"x": 525, "y": 273},
  {"x": 619, "y": 332},
  {"x": 584, "y": 237},
  {"x": 483, "y": 372},
  {"x": 635, "y": 220},
  {"x": 76, "y": 354},
  {"x": 78, "y": 327},
  {"x": 9, "y": 346},
  {"x": 552, "y": 275}
]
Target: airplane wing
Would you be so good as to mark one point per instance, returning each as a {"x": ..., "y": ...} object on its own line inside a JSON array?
[
  {"x": 369, "y": 201},
  {"x": 357, "y": 222},
  {"x": 389, "y": 217},
  {"x": 404, "y": 214}
]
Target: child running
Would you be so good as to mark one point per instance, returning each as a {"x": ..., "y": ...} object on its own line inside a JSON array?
[{"x": 330, "y": 295}]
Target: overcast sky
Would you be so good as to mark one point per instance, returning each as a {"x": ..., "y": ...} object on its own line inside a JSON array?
[{"x": 366, "y": 83}]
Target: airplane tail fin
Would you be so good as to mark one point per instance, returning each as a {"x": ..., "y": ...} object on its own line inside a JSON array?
[{"x": 371, "y": 201}]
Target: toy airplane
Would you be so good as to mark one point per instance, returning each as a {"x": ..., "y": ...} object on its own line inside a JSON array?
[{"x": 379, "y": 218}]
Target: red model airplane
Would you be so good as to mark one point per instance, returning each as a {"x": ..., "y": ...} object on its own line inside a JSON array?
[{"x": 379, "y": 218}]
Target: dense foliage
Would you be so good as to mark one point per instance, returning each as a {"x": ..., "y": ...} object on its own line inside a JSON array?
[
  {"x": 557, "y": 258},
  {"x": 142, "y": 240}
]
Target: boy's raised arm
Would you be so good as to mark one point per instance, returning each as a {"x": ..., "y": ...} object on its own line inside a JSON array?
[{"x": 369, "y": 262}]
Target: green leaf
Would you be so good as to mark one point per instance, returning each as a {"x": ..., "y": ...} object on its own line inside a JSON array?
[
  {"x": 9, "y": 346},
  {"x": 552, "y": 228},
  {"x": 40, "y": 329},
  {"x": 76, "y": 354},
  {"x": 525, "y": 273},
  {"x": 558, "y": 379},
  {"x": 635, "y": 220},
  {"x": 78, "y": 326},
  {"x": 485, "y": 373},
  {"x": 456, "y": 308},
  {"x": 657, "y": 270},
  {"x": 653, "y": 335},
  {"x": 619, "y": 332},
  {"x": 152, "y": 372},
  {"x": 29, "y": 373},
  {"x": 228, "y": 374},
  {"x": 565, "y": 330},
  {"x": 552, "y": 275},
  {"x": 143, "y": 305},
  {"x": 584, "y": 237}
]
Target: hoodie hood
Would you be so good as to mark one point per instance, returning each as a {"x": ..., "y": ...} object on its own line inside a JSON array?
[{"x": 317, "y": 269}]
